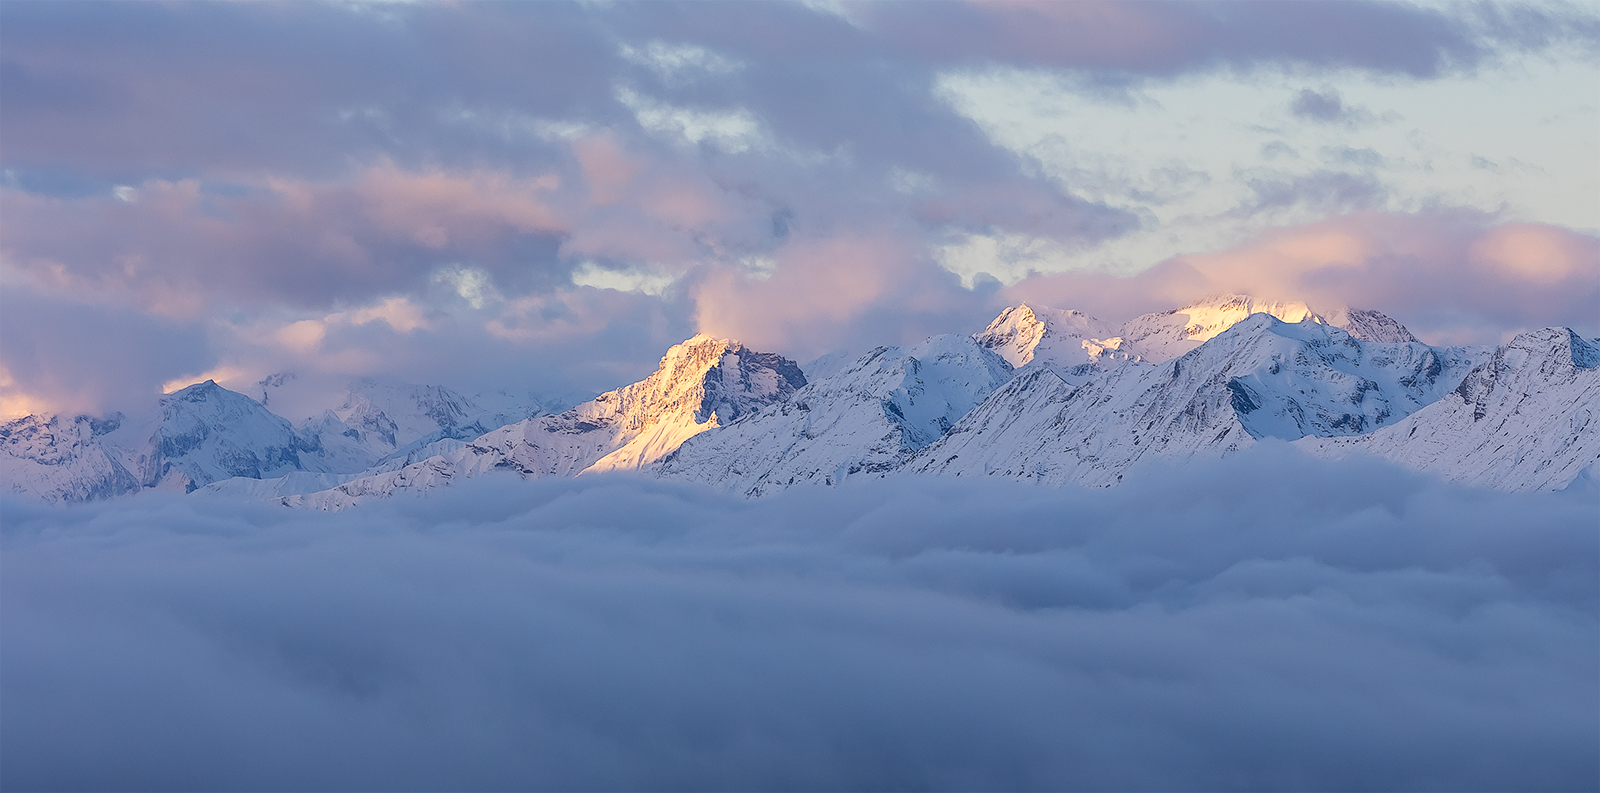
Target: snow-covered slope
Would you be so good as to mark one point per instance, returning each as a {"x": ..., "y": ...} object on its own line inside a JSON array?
[
  {"x": 61, "y": 459},
  {"x": 1527, "y": 419},
  {"x": 207, "y": 433},
  {"x": 830, "y": 364},
  {"x": 1259, "y": 378},
  {"x": 199, "y": 435},
  {"x": 869, "y": 418},
  {"x": 700, "y": 384}
]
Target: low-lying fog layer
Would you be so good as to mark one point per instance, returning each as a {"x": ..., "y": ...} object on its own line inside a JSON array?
[{"x": 1265, "y": 622}]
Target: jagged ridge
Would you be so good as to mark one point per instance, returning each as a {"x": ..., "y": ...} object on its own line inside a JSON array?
[
  {"x": 1259, "y": 378},
  {"x": 1526, "y": 419}
]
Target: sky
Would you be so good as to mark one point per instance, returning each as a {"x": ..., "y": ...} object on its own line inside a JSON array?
[
  {"x": 545, "y": 196},
  {"x": 1201, "y": 627}
]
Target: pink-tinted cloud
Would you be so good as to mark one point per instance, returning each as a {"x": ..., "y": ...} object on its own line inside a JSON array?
[
  {"x": 851, "y": 290},
  {"x": 643, "y": 210},
  {"x": 1451, "y": 277},
  {"x": 608, "y": 170}
]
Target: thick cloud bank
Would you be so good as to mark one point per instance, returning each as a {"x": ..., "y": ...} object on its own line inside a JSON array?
[{"x": 1264, "y": 622}]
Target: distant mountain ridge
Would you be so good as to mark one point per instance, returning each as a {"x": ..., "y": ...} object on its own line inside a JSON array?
[
  {"x": 1065, "y": 339},
  {"x": 1041, "y": 394},
  {"x": 204, "y": 435}
]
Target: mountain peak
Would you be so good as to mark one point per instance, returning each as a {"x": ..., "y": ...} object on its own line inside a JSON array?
[
  {"x": 207, "y": 433},
  {"x": 1250, "y": 304},
  {"x": 198, "y": 392},
  {"x": 1585, "y": 353},
  {"x": 1536, "y": 357},
  {"x": 703, "y": 338},
  {"x": 1521, "y": 420},
  {"x": 1023, "y": 333},
  {"x": 704, "y": 378},
  {"x": 1369, "y": 325}
]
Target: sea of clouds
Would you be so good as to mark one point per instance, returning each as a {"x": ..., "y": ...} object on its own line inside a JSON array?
[{"x": 1266, "y": 622}]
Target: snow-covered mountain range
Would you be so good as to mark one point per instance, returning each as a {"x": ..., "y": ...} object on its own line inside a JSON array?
[{"x": 1041, "y": 394}]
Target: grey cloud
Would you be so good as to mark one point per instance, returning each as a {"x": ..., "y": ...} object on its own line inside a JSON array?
[
  {"x": 302, "y": 244},
  {"x": 1275, "y": 149},
  {"x": 304, "y": 89},
  {"x": 1328, "y": 107},
  {"x": 130, "y": 91},
  {"x": 1329, "y": 191},
  {"x": 582, "y": 340},
  {"x": 1266, "y": 622},
  {"x": 1172, "y": 38},
  {"x": 1320, "y": 106},
  {"x": 1347, "y": 155}
]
